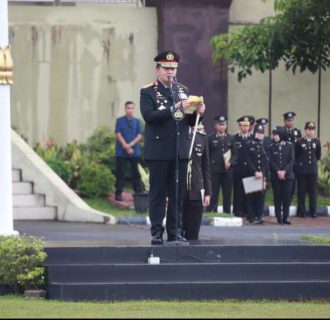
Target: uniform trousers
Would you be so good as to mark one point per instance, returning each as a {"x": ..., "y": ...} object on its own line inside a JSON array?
[
  {"x": 121, "y": 163},
  {"x": 255, "y": 202},
  {"x": 192, "y": 212},
  {"x": 240, "y": 207},
  {"x": 225, "y": 181},
  {"x": 306, "y": 183},
  {"x": 282, "y": 197},
  {"x": 163, "y": 184}
]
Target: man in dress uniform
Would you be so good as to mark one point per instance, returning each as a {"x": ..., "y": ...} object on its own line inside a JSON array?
[
  {"x": 258, "y": 166},
  {"x": 292, "y": 134},
  {"x": 163, "y": 104},
  {"x": 281, "y": 156},
  {"x": 223, "y": 154},
  {"x": 267, "y": 141},
  {"x": 239, "y": 168},
  {"x": 198, "y": 191},
  {"x": 308, "y": 152}
]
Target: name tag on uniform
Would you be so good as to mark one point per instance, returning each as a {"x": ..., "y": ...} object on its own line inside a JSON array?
[{"x": 161, "y": 108}]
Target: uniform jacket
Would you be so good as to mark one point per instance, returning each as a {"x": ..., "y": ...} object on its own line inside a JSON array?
[
  {"x": 160, "y": 129},
  {"x": 257, "y": 158},
  {"x": 200, "y": 174},
  {"x": 307, "y": 153},
  {"x": 281, "y": 156},
  {"x": 240, "y": 165},
  {"x": 217, "y": 147},
  {"x": 292, "y": 135}
]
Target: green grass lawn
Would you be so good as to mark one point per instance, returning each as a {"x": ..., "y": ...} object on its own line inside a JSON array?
[
  {"x": 315, "y": 239},
  {"x": 105, "y": 206},
  {"x": 19, "y": 307}
]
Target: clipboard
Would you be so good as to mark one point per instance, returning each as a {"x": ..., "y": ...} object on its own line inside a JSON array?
[{"x": 252, "y": 184}]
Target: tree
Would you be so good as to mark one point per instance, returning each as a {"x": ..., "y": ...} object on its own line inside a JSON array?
[{"x": 298, "y": 34}]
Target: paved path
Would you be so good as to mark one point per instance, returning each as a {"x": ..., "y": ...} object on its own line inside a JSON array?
[{"x": 91, "y": 234}]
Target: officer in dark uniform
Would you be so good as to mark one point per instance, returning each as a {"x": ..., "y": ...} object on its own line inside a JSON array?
[
  {"x": 223, "y": 154},
  {"x": 308, "y": 152},
  {"x": 292, "y": 134},
  {"x": 267, "y": 141},
  {"x": 258, "y": 166},
  {"x": 281, "y": 155},
  {"x": 163, "y": 104},
  {"x": 239, "y": 168},
  {"x": 198, "y": 190}
]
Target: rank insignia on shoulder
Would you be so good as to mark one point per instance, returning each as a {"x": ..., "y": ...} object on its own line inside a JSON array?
[{"x": 148, "y": 85}]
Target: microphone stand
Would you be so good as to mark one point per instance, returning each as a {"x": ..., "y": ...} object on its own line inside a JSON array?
[{"x": 176, "y": 204}]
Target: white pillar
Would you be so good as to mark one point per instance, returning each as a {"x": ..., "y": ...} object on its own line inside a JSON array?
[{"x": 6, "y": 197}]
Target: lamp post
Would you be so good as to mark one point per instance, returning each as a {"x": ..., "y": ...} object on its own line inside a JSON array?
[{"x": 6, "y": 66}]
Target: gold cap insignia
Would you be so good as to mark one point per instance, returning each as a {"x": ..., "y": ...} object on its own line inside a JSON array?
[
  {"x": 170, "y": 56},
  {"x": 246, "y": 119}
]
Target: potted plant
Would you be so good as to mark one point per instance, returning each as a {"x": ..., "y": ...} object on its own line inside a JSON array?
[{"x": 141, "y": 199}]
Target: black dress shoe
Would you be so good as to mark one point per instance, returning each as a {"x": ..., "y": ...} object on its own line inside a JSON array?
[
  {"x": 157, "y": 241},
  {"x": 286, "y": 222},
  {"x": 182, "y": 238},
  {"x": 279, "y": 221},
  {"x": 313, "y": 215}
]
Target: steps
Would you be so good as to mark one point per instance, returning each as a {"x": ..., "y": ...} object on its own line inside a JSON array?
[
  {"x": 26, "y": 204},
  {"x": 194, "y": 272}
]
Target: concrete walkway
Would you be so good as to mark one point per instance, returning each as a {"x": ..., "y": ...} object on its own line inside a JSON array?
[{"x": 56, "y": 233}]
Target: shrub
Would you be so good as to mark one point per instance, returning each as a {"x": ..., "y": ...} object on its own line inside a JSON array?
[
  {"x": 101, "y": 144},
  {"x": 61, "y": 168},
  {"x": 96, "y": 181},
  {"x": 21, "y": 263},
  {"x": 323, "y": 180}
]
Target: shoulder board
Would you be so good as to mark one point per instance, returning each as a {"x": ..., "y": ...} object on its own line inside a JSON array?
[
  {"x": 183, "y": 86},
  {"x": 148, "y": 85}
]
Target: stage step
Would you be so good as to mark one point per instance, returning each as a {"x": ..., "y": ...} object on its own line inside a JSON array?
[
  {"x": 193, "y": 272},
  {"x": 35, "y": 213},
  {"x": 22, "y": 188},
  {"x": 16, "y": 175},
  {"x": 290, "y": 290},
  {"x": 189, "y": 254},
  {"x": 26, "y": 204},
  {"x": 210, "y": 272}
]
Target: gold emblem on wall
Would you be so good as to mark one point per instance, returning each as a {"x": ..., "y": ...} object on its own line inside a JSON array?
[{"x": 6, "y": 66}]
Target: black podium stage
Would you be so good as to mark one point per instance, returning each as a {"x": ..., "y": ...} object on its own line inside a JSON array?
[{"x": 110, "y": 262}]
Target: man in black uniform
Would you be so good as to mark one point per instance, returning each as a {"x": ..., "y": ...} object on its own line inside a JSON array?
[
  {"x": 267, "y": 141},
  {"x": 163, "y": 104},
  {"x": 239, "y": 169},
  {"x": 223, "y": 154},
  {"x": 198, "y": 192},
  {"x": 258, "y": 166},
  {"x": 281, "y": 155},
  {"x": 308, "y": 152},
  {"x": 292, "y": 134}
]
